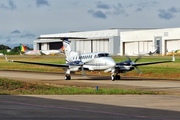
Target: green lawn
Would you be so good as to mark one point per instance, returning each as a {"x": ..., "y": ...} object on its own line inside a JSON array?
[
  {"x": 165, "y": 70},
  {"x": 14, "y": 87}
]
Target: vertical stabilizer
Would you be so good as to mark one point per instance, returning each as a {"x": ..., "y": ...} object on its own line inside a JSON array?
[
  {"x": 67, "y": 48},
  {"x": 23, "y": 49}
]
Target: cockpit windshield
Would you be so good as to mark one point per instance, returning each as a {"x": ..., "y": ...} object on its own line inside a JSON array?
[{"x": 103, "y": 55}]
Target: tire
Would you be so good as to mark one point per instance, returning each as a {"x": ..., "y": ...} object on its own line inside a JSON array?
[
  {"x": 113, "y": 78},
  {"x": 118, "y": 77},
  {"x": 69, "y": 77}
]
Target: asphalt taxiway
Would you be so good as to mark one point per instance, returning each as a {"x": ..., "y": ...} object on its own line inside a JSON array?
[{"x": 98, "y": 107}]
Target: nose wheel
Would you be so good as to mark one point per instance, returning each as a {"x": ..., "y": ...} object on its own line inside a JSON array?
[
  {"x": 115, "y": 77},
  {"x": 67, "y": 77}
]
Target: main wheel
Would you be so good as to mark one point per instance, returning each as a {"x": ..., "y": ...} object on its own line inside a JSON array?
[
  {"x": 118, "y": 77},
  {"x": 67, "y": 77},
  {"x": 113, "y": 77}
]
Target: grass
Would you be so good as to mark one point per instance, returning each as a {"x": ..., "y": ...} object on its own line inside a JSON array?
[
  {"x": 165, "y": 70},
  {"x": 14, "y": 87}
]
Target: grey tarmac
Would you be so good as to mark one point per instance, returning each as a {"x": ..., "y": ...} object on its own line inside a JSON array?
[{"x": 96, "y": 107}]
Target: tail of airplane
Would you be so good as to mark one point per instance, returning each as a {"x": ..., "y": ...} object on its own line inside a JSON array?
[
  {"x": 62, "y": 49},
  {"x": 67, "y": 48},
  {"x": 154, "y": 51},
  {"x": 23, "y": 49}
]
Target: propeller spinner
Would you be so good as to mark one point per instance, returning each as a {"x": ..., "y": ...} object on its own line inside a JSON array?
[{"x": 134, "y": 62}]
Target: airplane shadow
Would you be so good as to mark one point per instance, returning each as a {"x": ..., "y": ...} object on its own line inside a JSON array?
[{"x": 104, "y": 78}]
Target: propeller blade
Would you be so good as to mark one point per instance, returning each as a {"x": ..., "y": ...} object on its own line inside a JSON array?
[
  {"x": 82, "y": 68},
  {"x": 138, "y": 58},
  {"x": 83, "y": 72},
  {"x": 128, "y": 57},
  {"x": 138, "y": 71}
]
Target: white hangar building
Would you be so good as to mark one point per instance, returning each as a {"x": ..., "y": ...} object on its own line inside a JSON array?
[{"x": 116, "y": 41}]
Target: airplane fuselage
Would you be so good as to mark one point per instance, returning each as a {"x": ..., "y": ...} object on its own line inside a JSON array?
[
  {"x": 50, "y": 52},
  {"x": 33, "y": 52},
  {"x": 93, "y": 61}
]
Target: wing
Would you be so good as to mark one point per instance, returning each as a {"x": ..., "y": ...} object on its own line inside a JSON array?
[
  {"x": 139, "y": 64},
  {"x": 35, "y": 63}
]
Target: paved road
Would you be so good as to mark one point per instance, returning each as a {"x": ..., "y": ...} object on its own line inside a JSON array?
[
  {"x": 96, "y": 107},
  {"x": 168, "y": 86}
]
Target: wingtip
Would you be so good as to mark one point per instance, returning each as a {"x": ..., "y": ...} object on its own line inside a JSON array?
[
  {"x": 6, "y": 58},
  {"x": 173, "y": 58}
]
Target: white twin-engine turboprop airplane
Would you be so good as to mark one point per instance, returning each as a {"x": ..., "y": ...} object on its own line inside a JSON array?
[{"x": 99, "y": 61}]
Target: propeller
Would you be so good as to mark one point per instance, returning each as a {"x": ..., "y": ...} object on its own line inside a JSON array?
[
  {"x": 138, "y": 58},
  {"x": 81, "y": 64},
  {"x": 134, "y": 62},
  {"x": 128, "y": 58}
]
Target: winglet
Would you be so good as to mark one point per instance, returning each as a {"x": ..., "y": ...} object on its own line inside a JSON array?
[
  {"x": 7, "y": 59},
  {"x": 173, "y": 58}
]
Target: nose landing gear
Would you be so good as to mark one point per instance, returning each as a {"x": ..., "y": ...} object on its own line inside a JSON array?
[
  {"x": 67, "y": 77},
  {"x": 115, "y": 77}
]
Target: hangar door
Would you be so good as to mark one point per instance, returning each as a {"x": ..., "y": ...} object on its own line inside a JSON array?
[
  {"x": 88, "y": 46},
  {"x": 83, "y": 46},
  {"x": 100, "y": 45},
  {"x": 172, "y": 45},
  {"x": 133, "y": 48}
]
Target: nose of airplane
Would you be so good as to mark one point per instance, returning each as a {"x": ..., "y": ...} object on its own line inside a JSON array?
[{"x": 111, "y": 63}]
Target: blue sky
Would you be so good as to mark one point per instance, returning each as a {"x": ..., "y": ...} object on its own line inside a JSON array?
[{"x": 24, "y": 20}]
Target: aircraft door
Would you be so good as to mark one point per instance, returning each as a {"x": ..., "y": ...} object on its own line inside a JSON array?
[{"x": 158, "y": 43}]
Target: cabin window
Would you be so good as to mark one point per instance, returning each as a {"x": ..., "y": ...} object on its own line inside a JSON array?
[
  {"x": 107, "y": 55},
  {"x": 101, "y": 55},
  {"x": 104, "y": 55}
]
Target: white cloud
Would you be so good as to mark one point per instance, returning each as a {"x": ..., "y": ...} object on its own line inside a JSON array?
[{"x": 59, "y": 16}]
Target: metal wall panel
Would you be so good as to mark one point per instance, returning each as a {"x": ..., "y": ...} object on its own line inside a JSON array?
[
  {"x": 141, "y": 46},
  {"x": 145, "y": 46},
  {"x": 150, "y": 46},
  {"x": 83, "y": 46},
  {"x": 106, "y": 46},
  {"x": 87, "y": 46},
  {"x": 172, "y": 45},
  {"x": 44, "y": 46},
  {"x": 132, "y": 48},
  {"x": 101, "y": 47}
]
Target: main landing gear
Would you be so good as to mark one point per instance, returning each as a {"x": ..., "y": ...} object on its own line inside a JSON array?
[
  {"x": 115, "y": 77},
  {"x": 67, "y": 77}
]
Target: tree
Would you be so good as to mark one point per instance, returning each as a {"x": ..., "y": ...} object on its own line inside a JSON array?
[{"x": 4, "y": 47}]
